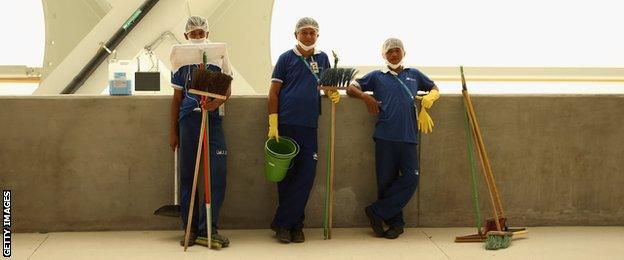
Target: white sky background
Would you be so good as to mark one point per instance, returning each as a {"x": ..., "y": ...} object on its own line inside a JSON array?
[
  {"x": 533, "y": 33},
  {"x": 22, "y": 30}
]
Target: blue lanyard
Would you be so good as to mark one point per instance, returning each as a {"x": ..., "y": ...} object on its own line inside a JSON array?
[
  {"x": 309, "y": 68},
  {"x": 408, "y": 93},
  {"x": 404, "y": 87}
]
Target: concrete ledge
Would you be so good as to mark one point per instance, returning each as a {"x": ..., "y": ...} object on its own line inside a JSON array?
[{"x": 103, "y": 163}]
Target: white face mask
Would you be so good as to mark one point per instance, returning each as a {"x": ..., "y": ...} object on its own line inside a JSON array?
[
  {"x": 394, "y": 66},
  {"x": 198, "y": 41},
  {"x": 304, "y": 47}
]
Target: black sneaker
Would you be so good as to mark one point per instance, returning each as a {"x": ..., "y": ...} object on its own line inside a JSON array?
[
  {"x": 283, "y": 235},
  {"x": 376, "y": 222},
  {"x": 393, "y": 232},
  {"x": 297, "y": 235}
]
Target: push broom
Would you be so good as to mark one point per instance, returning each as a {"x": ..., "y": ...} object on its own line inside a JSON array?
[
  {"x": 214, "y": 85},
  {"x": 500, "y": 239},
  {"x": 484, "y": 160},
  {"x": 332, "y": 79}
]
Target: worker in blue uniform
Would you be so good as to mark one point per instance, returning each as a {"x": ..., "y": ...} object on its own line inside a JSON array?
[
  {"x": 294, "y": 107},
  {"x": 396, "y": 155},
  {"x": 186, "y": 118}
]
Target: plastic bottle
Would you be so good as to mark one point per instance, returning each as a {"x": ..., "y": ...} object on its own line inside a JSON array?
[{"x": 120, "y": 77}]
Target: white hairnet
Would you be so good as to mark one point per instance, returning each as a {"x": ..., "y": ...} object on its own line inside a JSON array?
[
  {"x": 196, "y": 22},
  {"x": 391, "y": 43},
  {"x": 306, "y": 22}
]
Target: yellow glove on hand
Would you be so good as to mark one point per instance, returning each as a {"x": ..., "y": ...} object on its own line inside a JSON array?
[
  {"x": 425, "y": 123},
  {"x": 427, "y": 100},
  {"x": 273, "y": 127},
  {"x": 334, "y": 95}
]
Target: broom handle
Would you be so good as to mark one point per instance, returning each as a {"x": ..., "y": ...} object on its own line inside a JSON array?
[
  {"x": 329, "y": 179},
  {"x": 331, "y": 163},
  {"x": 473, "y": 170},
  {"x": 207, "y": 190},
  {"x": 189, "y": 220},
  {"x": 486, "y": 158},
  {"x": 176, "y": 189},
  {"x": 329, "y": 196},
  {"x": 481, "y": 157},
  {"x": 482, "y": 146}
]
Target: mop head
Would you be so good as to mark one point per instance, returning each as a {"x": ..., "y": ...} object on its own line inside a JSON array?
[
  {"x": 497, "y": 240},
  {"x": 209, "y": 81},
  {"x": 338, "y": 78}
]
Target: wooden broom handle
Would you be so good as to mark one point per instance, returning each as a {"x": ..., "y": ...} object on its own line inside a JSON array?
[
  {"x": 472, "y": 114},
  {"x": 189, "y": 220},
  {"x": 481, "y": 157},
  {"x": 331, "y": 168},
  {"x": 488, "y": 169}
]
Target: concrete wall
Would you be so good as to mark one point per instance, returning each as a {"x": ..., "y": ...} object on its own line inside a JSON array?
[{"x": 103, "y": 163}]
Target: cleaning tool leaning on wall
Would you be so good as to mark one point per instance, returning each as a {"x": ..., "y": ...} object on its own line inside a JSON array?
[
  {"x": 396, "y": 160},
  {"x": 331, "y": 81},
  {"x": 294, "y": 109},
  {"x": 186, "y": 118}
]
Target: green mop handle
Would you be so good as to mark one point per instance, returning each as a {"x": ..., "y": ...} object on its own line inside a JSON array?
[
  {"x": 473, "y": 167},
  {"x": 475, "y": 194}
]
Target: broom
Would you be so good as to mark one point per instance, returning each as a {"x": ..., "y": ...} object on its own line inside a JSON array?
[
  {"x": 499, "y": 239},
  {"x": 332, "y": 79},
  {"x": 214, "y": 85},
  {"x": 207, "y": 192},
  {"x": 480, "y": 236}
]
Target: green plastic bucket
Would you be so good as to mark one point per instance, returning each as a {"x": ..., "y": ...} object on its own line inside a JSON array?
[{"x": 278, "y": 156}]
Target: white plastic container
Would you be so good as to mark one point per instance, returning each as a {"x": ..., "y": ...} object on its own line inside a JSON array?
[{"x": 121, "y": 77}]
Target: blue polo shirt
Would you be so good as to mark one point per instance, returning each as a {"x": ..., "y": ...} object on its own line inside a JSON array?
[
  {"x": 397, "y": 117},
  {"x": 299, "y": 97},
  {"x": 181, "y": 80}
]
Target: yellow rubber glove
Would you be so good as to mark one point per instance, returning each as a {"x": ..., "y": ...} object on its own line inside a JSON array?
[
  {"x": 273, "y": 127},
  {"x": 425, "y": 123},
  {"x": 334, "y": 95},
  {"x": 427, "y": 100}
]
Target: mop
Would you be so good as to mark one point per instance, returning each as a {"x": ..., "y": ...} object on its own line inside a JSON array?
[
  {"x": 500, "y": 239},
  {"x": 479, "y": 237},
  {"x": 332, "y": 79},
  {"x": 172, "y": 210},
  {"x": 215, "y": 85}
]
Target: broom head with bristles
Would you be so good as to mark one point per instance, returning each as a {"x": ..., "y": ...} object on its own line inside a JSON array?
[
  {"x": 209, "y": 83},
  {"x": 490, "y": 225},
  {"x": 471, "y": 238},
  {"x": 336, "y": 78}
]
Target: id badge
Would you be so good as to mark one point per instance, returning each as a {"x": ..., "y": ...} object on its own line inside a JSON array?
[{"x": 314, "y": 67}]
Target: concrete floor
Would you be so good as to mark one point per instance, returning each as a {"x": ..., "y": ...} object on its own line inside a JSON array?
[{"x": 417, "y": 243}]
